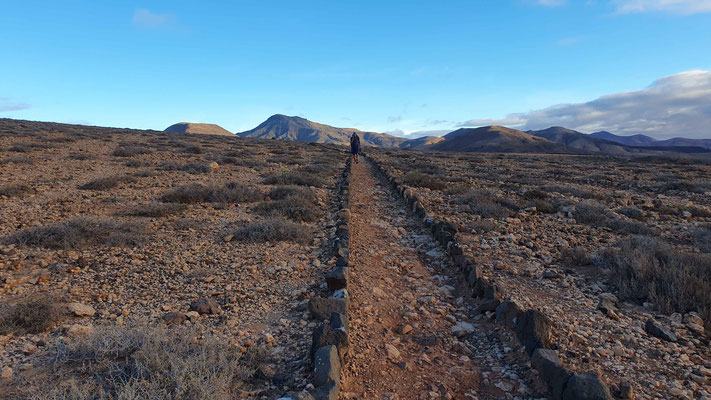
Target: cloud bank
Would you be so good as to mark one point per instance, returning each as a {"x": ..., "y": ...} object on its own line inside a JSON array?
[
  {"x": 9, "y": 105},
  {"x": 677, "y": 105},
  {"x": 146, "y": 19},
  {"x": 684, "y": 7}
]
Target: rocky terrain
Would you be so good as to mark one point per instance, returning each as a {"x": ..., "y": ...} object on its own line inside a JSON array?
[
  {"x": 116, "y": 241},
  {"x": 613, "y": 250}
]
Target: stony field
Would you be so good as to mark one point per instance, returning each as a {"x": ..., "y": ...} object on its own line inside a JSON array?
[
  {"x": 615, "y": 251},
  {"x": 117, "y": 243}
]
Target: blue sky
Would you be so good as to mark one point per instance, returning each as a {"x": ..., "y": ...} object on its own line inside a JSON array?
[{"x": 387, "y": 66}]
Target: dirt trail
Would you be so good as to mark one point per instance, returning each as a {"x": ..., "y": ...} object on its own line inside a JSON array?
[{"x": 403, "y": 310}]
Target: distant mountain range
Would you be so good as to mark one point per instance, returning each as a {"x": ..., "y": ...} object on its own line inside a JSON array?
[
  {"x": 495, "y": 139},
  {"x": 205, "y": 129}
]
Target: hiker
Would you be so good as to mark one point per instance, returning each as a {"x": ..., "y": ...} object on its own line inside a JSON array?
[{"x": 355, "y": 146}]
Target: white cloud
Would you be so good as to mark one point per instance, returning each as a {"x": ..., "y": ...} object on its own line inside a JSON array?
[
  {"x": 146, "y": 19},
  {"x": 684, "y": 7},
  {"x": 677, "y": 105},
  {"x": 10, "y": 105}
]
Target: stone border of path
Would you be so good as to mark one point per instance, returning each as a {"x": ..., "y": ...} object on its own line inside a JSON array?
[
  {"x": 329, "y": 344},
  {"x": 532, "y": 327}
]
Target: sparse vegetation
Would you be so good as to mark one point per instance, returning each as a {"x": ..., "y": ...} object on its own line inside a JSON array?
[
  {"x": 292, "y": 207},
  {"x": 419, "y": 179},
  {"x": 32, "y": 315},
  {"x": 80, "y": 232},
  {"x": 130, "y": 151},
  {"x": 632, "y": 212},
  {"x": 17, "y": 160},
  {"x": 274, "y": 229},
  {"x": 590, "y": 212},
  {"x": 13, "y": 190},
  {"x": 107, "y": 183},
  {"x": 487, "y": 204},
  {"x": 646, "y": 269},
  {"x": 287, "y": 177},
  {"x": 191, "y": 168},
  {"x": 231, "y": 192}
]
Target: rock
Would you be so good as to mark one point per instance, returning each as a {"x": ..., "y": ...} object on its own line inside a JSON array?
[
  {"x": 626, "y": 391},
  {"x": 405, "y": 329},
  {"x": 378, "y": 292},
  {"x": 533, "y": 329},
  {"x": 6, "y": 373},
  {"x": 327, "y": 366},
  {"x": 693, "y": 318},
  {"x": 338, "y": 278},
  {"x": 77, "y": 330},
  {"x": 483, "y": 289},
  {"x": 325, "y": 335},
  {"x": 81, "y": 310},
  {"x": 339, "y": 321},
  {"x": 607, "y": 303},
  {"x": 586, "y": 386},
  {"x": 507, "y": 313},
  {"x": 266, "y": 371},
  {"x": 214, "y": 166},
  {"x": 656, "y": 330},
  {"x": 392, "y": 352},
  {"x": 461, "y": 328},
  {"x": 205, "y": 306},
  {"x": 329, "y": 391},
  {"x": 174, "y": 318},
  {"x": 489, "y": 305},
  {"x": 547, "y": 363},
  {"x": 322, "y": 307}
]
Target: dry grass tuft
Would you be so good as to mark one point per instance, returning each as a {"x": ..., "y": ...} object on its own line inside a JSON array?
[
  {"x": 487, "y": 204},
  {"x": 107, "y": 183},
  {"x": 157, "y": 210},
  {"x": 274, "y": 230},
  {"x": 30, "y": 316},
  {"x": 418, "y": 179},
  {"x": 80, "y": 232},
  {"x": 231, "y": 192},
  {"x": 295, "y": 178},
  {"x": 13, "y": 190},
  {"x": 130, "y": 151}
]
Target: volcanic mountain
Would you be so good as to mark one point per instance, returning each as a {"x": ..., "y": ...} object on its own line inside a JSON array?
[
  {"x": 497, "y": 139},
  {"x": 582, "y": 142},
  {"x": 299, "y": 129},
  {"x": 204, "y": 129},
  {"x": 643, "y": 140}
]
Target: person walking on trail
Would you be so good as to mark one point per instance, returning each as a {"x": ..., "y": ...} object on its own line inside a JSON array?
[{"x": 355, "y": 147}]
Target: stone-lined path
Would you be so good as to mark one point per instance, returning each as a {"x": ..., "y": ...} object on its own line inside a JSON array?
[{"x": 413, "y": 334}]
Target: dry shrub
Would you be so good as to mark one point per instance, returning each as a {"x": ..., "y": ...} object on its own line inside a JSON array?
[
  {"x": 80, "y": 232},
  {"x": 231, "y": 192},
  {"x": 487, "y": 204},
  {"x": 157, "y": 210},
  {"x": 625, "y": 227},
  {"x": 685, "y": 186},
  {"x": 17, "y": 160},
  {"x": 148, "y": 363},
  {"x": 107, "y": 183},
  {"x": 32, "y": 315},
  {"x": 13, "y": 190},
  {"x": 130, "y": 151},
  {"x": 590, "y": 212},
  {"x": 193, "y": 150},
  {"x": 646, "y": 269},
  {"x": 418, "y": 179},
  {"x": 575, "y": 256},
  {"x": 145, "y": 173},
  {"x": 571, "y": 191},
  {"x": 632, "y": 212},
  {"x": 294, "y": 208},
  {"x": 702, "y": 239},
  {"x": 191, "y": 168},
  {"x": 535, "y": 194},
  {"x": 699, "y": 212},
  {"x": 284, "y": 192},
  {"x": 295, "y": 178},
  {"x": 274, "y": 229}
]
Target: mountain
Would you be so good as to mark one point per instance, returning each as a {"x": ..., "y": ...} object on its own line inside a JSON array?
[
  {"x": 582, "y": 142},
  {"x": 204, "y": 129},
  {"x": 643, "y": 140},
  {"x": 299, "y": 129},
  {"x": 421, "y": 143},
  {"x": 497, "y": 139}
]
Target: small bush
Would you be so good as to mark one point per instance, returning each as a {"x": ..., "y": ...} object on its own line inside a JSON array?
[
  {"x": 193, "y": 150},
  {"x": 229, "y": 193},
  {"x": 157, "y": 210},
  {"x": 130, "y": 151},
  {"x": 144, "y": 173},
  {"x": 535, "y": 194},
  {"x": 195, "y": 168},
  {"x": 284, "y": 192},
  {"x": 544, "y": 206},
  {"x": 575, "y": 256},
  {"x": 107, "y": 183},
  {"x": 632, "y": 212},
  {"x": 17, "y": 160},
  {"x": 418, "y": 179},
  {"x": 274, "y": 230},
  {"x": 488, "y": 204},
  {"x": 572, "y": 191},
  {"x": 625, "y": 227},
  {"x": 646, "y": 269},
  {"x": 294, "y": 208},
  {"x": 33, "y": 315},
  {"x": 699, "y": 212},
  {"x": 702, "y": 239},
  {"x": 80, "y": 157},
  {"x": 483, "y": 226},
  {"x": 590, "y": 212},
  {"x": 13, "y": 190},
  {"x": 78, "y": 233},
  {"x": 295, "y": 178},
  {"x": 685, "y": 186},
  {"x": 135, "y": 163}
]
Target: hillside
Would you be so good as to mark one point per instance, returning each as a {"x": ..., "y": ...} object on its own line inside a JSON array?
[
  {"x": 643, "y": 140},
  {"x": 497, "y": 139},
  {"x": 297, "y": 129},
  {"x": 203, "y": 129},
  {"x": 582, "y": 142},
  {"x": 422, "y": 143}
]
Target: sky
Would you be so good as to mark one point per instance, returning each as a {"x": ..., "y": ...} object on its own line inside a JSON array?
[{"x": 403, "y": 67}]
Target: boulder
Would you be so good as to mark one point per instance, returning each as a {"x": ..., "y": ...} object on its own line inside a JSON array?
[
  {"x": 205, "y": 306},
  {"x": 325, "y": 335},
  {"x": 586, "y": 386},
  {"x": 327, "y": 366},
  {"x": 656, "y": 330},
  {"x": 489, "y": 305},
  {"x": 174, "y": 318},
  {"x": 547, "y": 363},
  {"x": 81, "y": 310},
  {"x": 508, "y": 312},
  {"x": 322, "y": 307},
  {"x": 533, "y": 330},
  {"x": 338, "y": 278}
]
